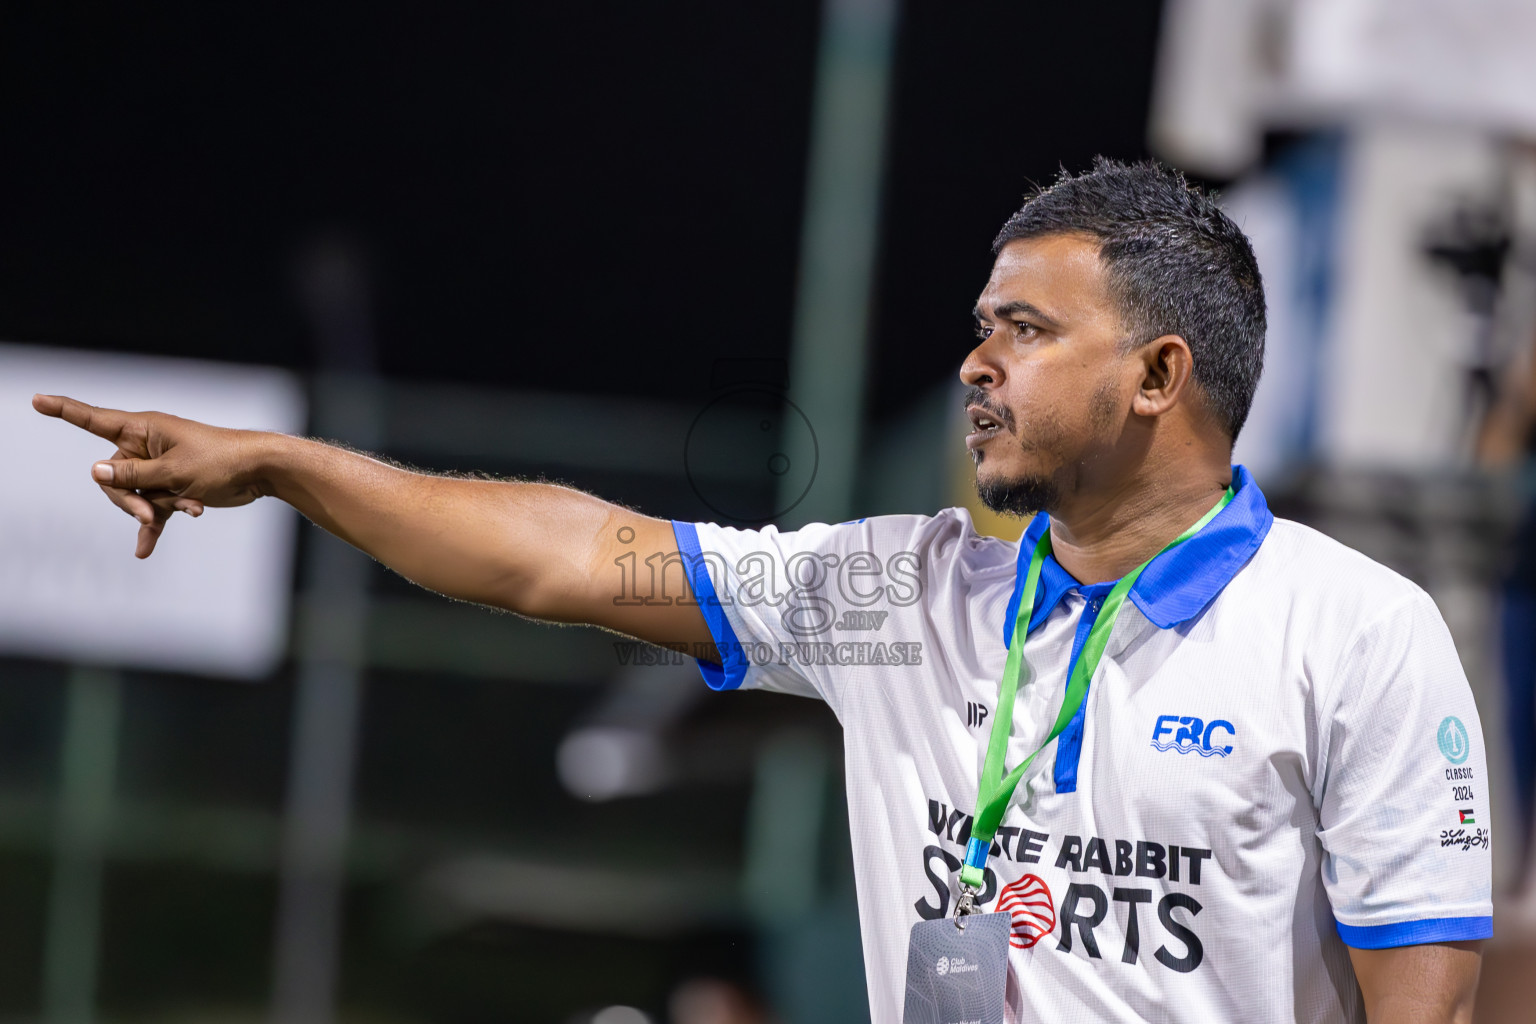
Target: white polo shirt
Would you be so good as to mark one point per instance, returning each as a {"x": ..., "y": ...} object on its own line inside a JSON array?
[{"x": 1278, "y": 755}]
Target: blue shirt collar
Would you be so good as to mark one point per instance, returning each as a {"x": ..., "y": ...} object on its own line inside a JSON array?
[{"x": 1179, "y": 583}]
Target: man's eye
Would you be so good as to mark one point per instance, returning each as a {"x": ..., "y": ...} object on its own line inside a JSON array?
[
  {"x": 1024, "y": 329},
  {"x": 983, "y": 331}
]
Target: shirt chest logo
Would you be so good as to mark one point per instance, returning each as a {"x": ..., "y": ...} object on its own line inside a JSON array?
[{"x": 1186, "y": 734}]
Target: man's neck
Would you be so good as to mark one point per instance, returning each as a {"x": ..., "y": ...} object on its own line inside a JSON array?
[{"x": 1101, "y": 537}]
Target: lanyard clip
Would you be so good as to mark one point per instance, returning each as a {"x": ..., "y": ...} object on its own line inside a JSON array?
[{"x": 965, "y": 905}]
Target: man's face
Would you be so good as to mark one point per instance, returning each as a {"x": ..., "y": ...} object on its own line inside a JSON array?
[{"x": 1050, "y": 382}]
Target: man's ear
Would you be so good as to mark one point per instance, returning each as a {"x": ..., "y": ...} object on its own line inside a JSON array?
[{"x": 1167, "y": 369}]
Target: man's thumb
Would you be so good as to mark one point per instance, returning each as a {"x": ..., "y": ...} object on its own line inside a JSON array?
[{"x": 132, "y": 474}]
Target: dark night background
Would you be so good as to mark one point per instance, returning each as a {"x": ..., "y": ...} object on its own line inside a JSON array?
[{"x": 583, "y": 195}]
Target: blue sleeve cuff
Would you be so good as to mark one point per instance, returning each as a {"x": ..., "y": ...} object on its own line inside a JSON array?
[
  {"x": 1416, "y": 933},
  {"x": 729, "y": 675}
]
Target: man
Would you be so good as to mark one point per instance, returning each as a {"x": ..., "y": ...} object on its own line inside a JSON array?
[{"x": 1263, "y": 796}]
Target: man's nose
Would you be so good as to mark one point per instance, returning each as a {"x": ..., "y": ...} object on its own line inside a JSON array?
[{"x": 981, "y": 366}]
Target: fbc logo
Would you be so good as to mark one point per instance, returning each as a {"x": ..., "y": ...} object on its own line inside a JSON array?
[
  {"x": 1194, "y": 735},
  {"x": 1453, "y": 740}
]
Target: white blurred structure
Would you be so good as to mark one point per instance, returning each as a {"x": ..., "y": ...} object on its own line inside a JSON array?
[
  {"x": 1229, "y": 69},
  {"x": 1384, "y": 233},
  {"x": 1379, "y": 351},
  {"x": 1407, "y": 346},
  {"x": 213, "y": 599}
]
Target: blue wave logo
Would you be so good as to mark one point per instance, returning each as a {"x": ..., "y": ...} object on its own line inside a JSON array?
[{"x": 1180, "y": 748}]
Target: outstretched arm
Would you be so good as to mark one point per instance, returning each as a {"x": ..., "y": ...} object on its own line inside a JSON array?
[
  {"x": 545, "y": 551},
  {"x": 1429, "y": 984}
]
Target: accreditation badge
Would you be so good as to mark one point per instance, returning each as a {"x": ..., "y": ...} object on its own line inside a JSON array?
[{"x": 957, "y": 970}]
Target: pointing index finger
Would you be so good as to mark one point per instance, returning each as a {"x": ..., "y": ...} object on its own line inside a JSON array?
[{"x": 104, "y": 423}]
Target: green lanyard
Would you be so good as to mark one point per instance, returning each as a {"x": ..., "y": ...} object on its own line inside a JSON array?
[{"x": 996, "y": 790}]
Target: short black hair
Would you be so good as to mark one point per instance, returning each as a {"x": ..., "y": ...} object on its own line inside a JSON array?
[{"x": 1176, "y": 264}]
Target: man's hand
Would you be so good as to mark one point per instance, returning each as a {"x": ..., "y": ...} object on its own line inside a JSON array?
[
  {"x": 163, "y": 464},
  {"x": 1429, "y": 984}
]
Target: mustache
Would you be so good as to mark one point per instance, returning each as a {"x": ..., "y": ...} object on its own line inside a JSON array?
[{"x": 978, "y": 398}]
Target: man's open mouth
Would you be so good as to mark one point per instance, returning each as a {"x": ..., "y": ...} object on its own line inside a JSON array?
[{"x": 984, "y": 426}]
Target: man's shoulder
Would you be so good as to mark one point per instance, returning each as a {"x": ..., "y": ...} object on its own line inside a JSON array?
[
  {"x": 950, "y": 535},
  {"x": 947, "y": 537},
  {"x": 946, "y": 526},
  {"x": 1305, "y": 564}
]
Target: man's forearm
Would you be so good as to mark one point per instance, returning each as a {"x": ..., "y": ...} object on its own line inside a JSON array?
[{"x": 515, "y": 545}]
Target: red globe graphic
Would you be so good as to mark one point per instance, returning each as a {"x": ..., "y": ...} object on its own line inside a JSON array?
[{"x": 1028, "y": 902}]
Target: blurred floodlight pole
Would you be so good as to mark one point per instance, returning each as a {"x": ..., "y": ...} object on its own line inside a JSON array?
[
  {"x": 784, "y": 828},
  {"x": 87, "y": 769},
  {"x": 333, "y": 629},
  {"x": 828, "y": 357},
  {"x": 837, "y": 251}
]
